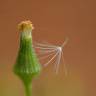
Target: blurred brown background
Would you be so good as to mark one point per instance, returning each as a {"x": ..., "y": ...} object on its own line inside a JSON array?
[{"x": 53, "y": 21}]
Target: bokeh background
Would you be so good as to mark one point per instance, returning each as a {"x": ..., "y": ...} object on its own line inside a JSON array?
[{"x": 53, "y": 21}]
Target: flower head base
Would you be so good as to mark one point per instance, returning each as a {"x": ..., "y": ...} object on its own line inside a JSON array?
[{"x": 27, "y": 65}]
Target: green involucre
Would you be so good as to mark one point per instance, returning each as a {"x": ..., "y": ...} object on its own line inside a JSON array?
[{"x": 27, "y": 64}]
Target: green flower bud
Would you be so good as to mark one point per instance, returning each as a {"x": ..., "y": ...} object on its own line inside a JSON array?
[{"x": 27, "y": 65}]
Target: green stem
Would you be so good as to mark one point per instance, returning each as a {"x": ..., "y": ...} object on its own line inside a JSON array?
[{"x": 28, "y": 89}]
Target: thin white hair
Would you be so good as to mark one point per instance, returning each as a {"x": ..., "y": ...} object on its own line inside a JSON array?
[{"x": 55, "y": 52}]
